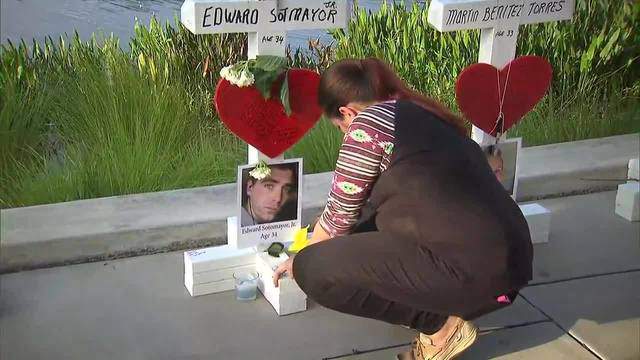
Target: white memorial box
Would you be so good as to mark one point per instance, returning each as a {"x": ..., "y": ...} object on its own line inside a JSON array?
[
  {"x": 218, "y": 257},
  {"x": 287, "y": 298},
  {"x": 209, "y": 288},
  {"x": 218, "y": 274},
  {"x": 210, "y": 270},
  {"x": 628, "y": 201},
  {"x": 539, "y": 220}
]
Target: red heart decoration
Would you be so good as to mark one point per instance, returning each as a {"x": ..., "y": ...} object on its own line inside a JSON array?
[
  {"x": 526, "y": 78},
  {"x": 264, "y": 123}
]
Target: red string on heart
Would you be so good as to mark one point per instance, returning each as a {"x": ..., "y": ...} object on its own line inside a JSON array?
[
  {"x": 521, "y": 84},
  {"x": 500, "y": 120}
]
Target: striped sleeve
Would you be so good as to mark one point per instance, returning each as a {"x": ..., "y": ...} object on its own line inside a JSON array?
[{"x": 365, "y": 152}]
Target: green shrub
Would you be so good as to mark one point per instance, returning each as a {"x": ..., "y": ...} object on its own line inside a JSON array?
[
  {"x": 601, "y": 42},
  {"x": 181, "y": 57},
  {"x": 93, "y": 123}
]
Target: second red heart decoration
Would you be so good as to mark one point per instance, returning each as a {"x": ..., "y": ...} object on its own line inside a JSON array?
[
  {"x": 521, "y": 84},
  {"x": 264, "y": 123}
]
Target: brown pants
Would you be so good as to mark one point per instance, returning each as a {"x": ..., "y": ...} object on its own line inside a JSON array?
[{"x": 372, "y": 275}]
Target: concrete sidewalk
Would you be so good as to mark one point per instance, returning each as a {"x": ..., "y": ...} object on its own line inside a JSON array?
[
  {"x": 107, "y": 228},
  {"x": 582, "y": 304}
]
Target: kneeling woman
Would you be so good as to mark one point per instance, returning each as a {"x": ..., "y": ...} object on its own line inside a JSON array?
[{"x": 417, "y": 230}]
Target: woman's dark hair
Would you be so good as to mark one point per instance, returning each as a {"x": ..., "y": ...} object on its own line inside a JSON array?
[{"x": 370, "y": 80}]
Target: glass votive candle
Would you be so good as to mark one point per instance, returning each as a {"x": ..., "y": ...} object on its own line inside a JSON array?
[{"x": 246, "y": 285}]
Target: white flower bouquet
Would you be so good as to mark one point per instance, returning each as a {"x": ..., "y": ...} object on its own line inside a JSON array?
[
  {"x": 261, "y": 171},
  {"x": 260, "y": 72}
]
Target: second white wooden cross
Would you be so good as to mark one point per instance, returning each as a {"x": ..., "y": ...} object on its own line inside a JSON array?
[{"x": 499, "y": 21}]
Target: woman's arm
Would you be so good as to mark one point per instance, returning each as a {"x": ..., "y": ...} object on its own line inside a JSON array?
[
  {"x": 368, "y": 142},
  {"x": 318, "y": 235}
]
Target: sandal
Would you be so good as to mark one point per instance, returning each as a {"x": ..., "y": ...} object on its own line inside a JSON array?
[{"x": 463, "y": 336}]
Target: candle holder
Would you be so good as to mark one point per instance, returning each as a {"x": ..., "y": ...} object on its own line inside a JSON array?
[{"x": 246, "y": 285}]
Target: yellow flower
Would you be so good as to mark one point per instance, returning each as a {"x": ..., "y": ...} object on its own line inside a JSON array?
[{"x": 300, "y": 240}]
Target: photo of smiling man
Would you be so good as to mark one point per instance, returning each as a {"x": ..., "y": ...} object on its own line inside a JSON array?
[{"x": 269, "y": 193}]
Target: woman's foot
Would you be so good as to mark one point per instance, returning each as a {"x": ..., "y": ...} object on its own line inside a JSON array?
[{"x": 454, "y": 337}]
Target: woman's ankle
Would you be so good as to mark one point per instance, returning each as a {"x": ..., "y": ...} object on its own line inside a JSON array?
[{"x": 440, "y": 337}]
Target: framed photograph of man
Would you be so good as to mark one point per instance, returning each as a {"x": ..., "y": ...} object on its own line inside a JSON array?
[
  {"x": 270, "y": 202},
  {"x": 503, "y": 159}
]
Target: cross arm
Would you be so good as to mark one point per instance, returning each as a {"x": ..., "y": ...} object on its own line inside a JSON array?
[
  {"x": 451, "y": 15},
  {"x": 234, "y": 16}
]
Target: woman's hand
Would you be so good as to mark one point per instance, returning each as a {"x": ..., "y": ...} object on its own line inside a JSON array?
[
  {"x": 318, "y": 235},
  {"x": 285, "y": 269}
]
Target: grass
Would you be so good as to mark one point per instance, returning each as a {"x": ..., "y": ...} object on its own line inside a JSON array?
[
  {"x": 82, "y": 120},
  {"x": 319, "y": 148},
  {"x": 556, "y": 119},
  {"x": 116, "y": 131}
]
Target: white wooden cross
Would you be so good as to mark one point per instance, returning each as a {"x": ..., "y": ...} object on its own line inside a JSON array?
[
  {"x": 499, "y": 21},
  {"x": 266, "y": 22}
]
